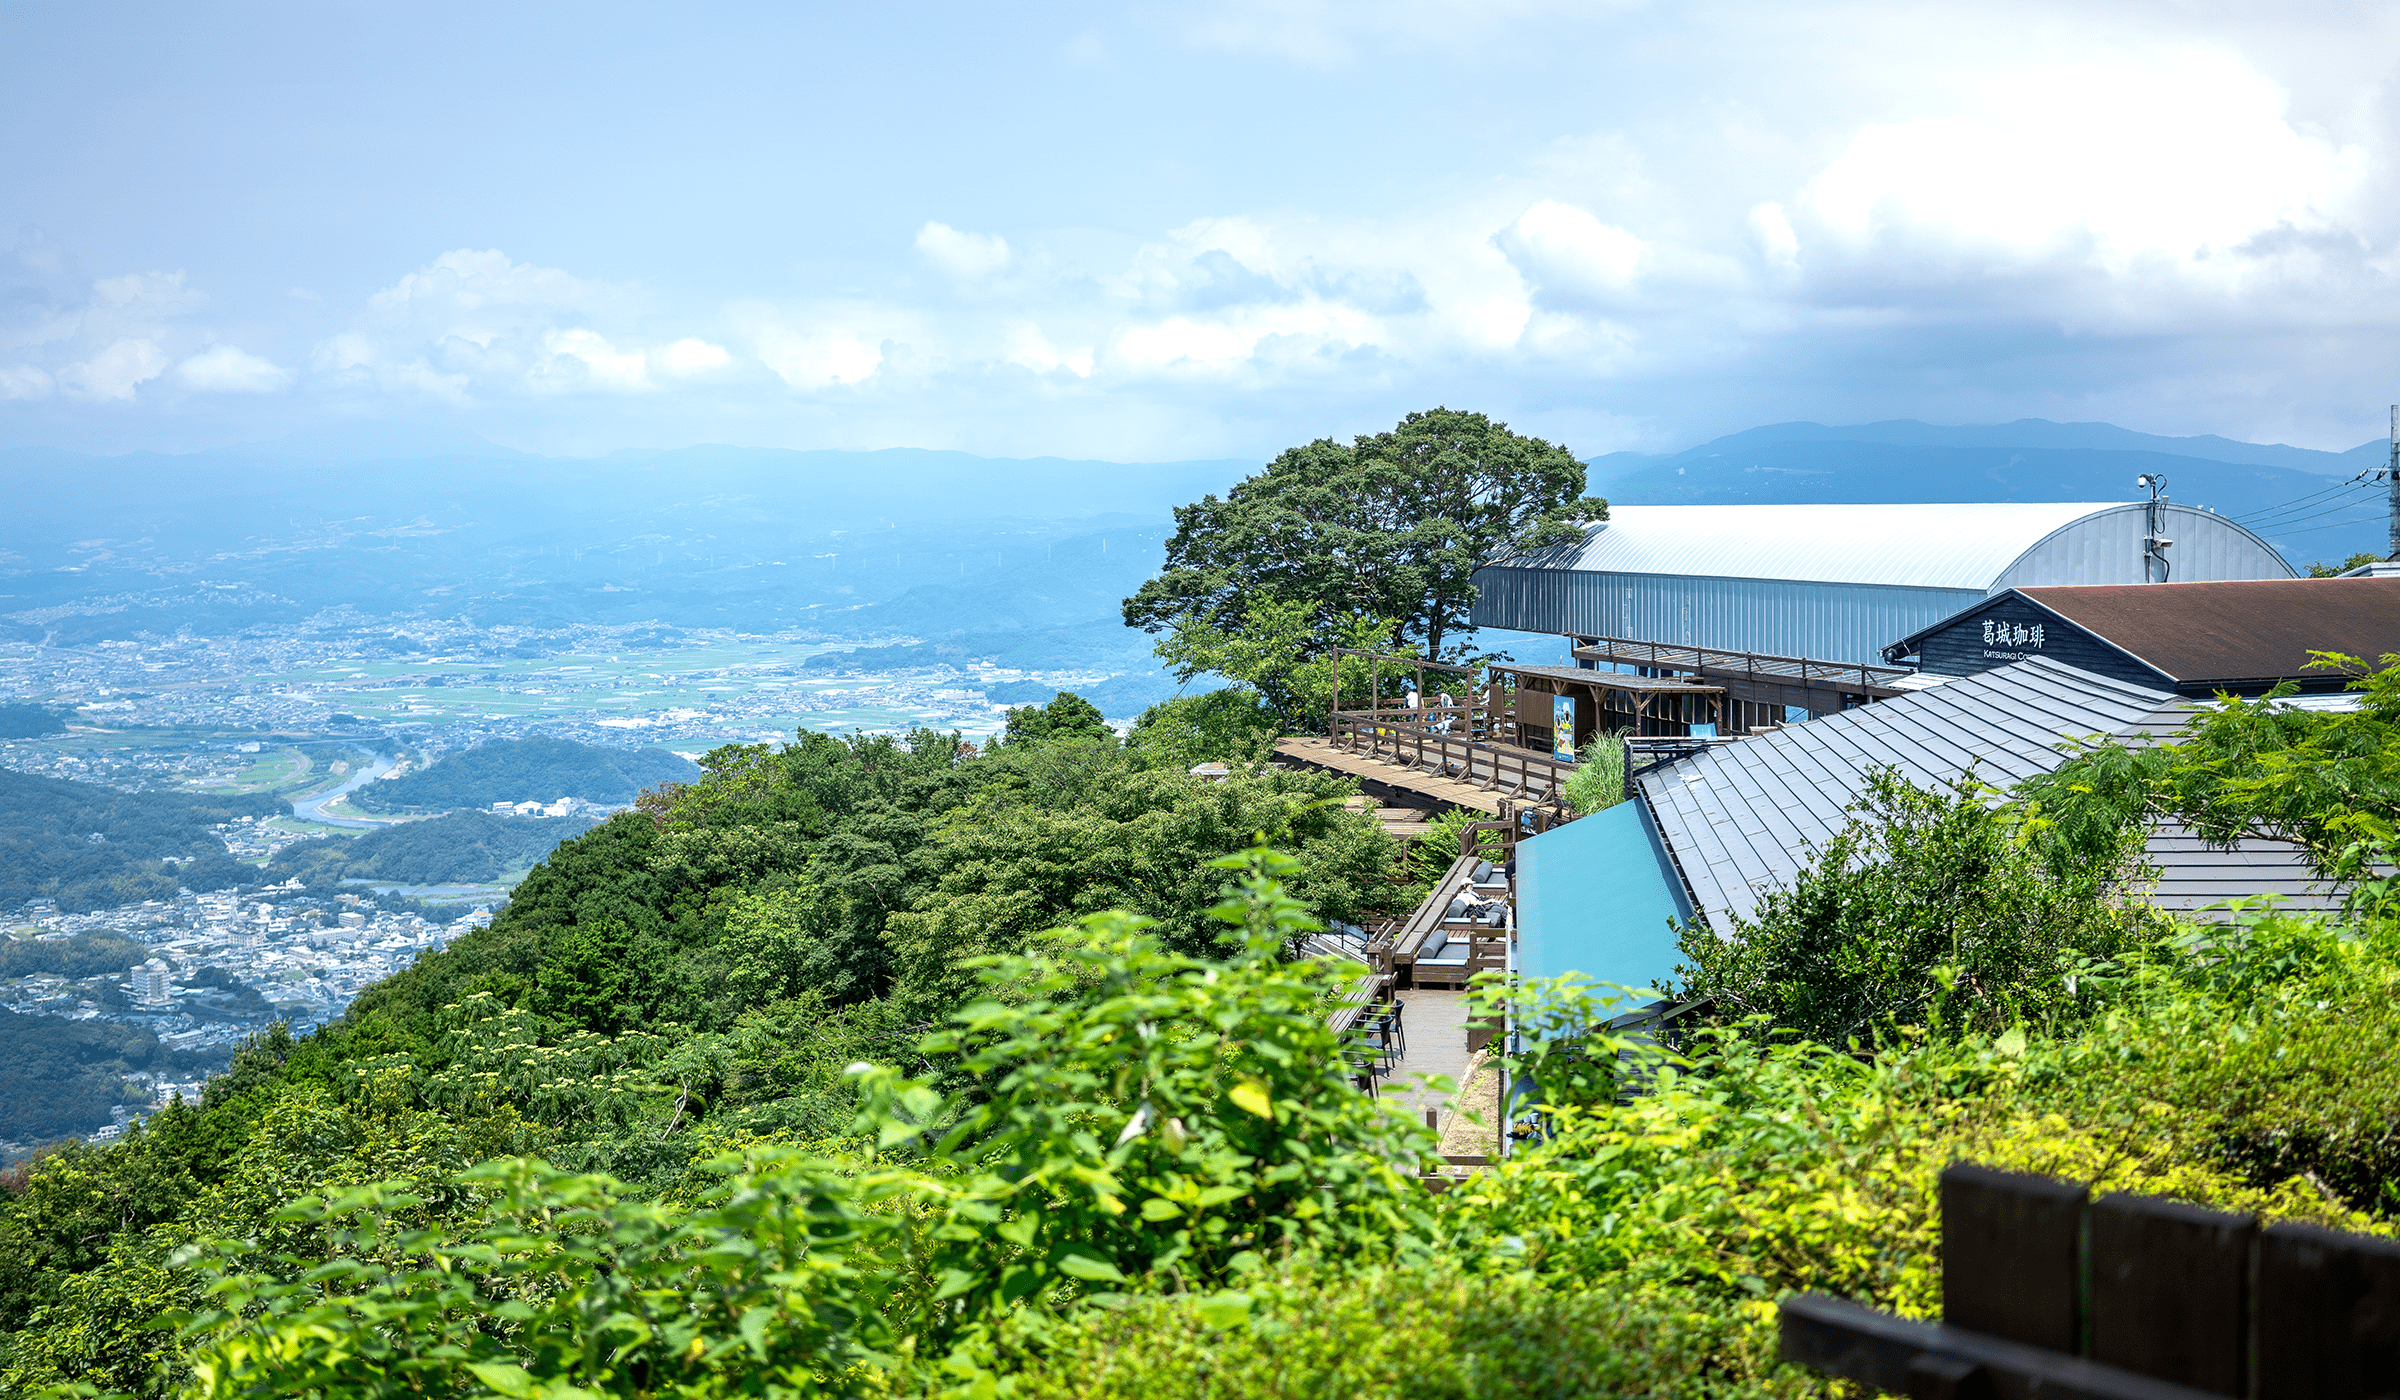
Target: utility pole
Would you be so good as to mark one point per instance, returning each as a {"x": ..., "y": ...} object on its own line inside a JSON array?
[
  {"x": 2154, "y": 549},
  {"x": 2391, "y": 481}
]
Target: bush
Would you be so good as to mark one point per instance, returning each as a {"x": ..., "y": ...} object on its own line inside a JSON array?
[
  {"x": 1138, "y": 1119},
  {"x": 1927, "y": 909},
  {"x": 1433, "y": 852},
  {"x": 1067, "y": 716},
  {"x": 1430, "y": 1332},
  {"x": 1217, "y": 726},
  {"x": 1749, "y": 1170},
  {"x": 1598, "y": 782}
]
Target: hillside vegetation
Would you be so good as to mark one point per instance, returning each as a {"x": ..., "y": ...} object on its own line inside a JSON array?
[
  {"x": 526, "y": 770},
  {"x": 455, "y": 848},
  {"x": 879, "y": 1067},
  {"x": 59, "y": 1077},
  {"x": 93, "y": 847},
  {"x": 876, "y": 1067},
  {"x": 29, "y": 721}
]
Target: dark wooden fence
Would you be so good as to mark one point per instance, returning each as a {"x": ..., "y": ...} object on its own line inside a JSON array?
[{"x": 2047, "y": 1292}]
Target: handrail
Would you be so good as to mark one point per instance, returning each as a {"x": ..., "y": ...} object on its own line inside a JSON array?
[
  {"x": 1676, "y": 656},
  {"x": 1383, "y": 735}
]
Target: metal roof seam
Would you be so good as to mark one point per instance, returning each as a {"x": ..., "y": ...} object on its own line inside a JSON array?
[{"x": 1650, "y": 813}]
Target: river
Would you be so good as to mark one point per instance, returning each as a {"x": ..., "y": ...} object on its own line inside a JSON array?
[{"x": 312, "y": 809}]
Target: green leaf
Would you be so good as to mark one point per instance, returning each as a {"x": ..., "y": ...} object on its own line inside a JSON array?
[
  {"x": 953, "y": 1283},
  {"x": 1225, "y": 1310},
  {"x": 1077, "y": 1264},
  {"x": 1251, "y": 1095},
  {"x": 754, "y": 1329},
  {"x": 503, "y": 1377}
]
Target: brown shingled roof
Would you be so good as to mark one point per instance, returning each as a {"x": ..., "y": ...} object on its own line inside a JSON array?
[{"x": 2253, "y": 629}]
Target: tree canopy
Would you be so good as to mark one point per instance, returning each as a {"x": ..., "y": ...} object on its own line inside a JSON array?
[
  {"x": 91, "y": 847},
  {"x": 1387, "y": 530}
]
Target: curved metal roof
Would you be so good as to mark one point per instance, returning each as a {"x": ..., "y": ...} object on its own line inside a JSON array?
[{"x": 1916, "y": 546}]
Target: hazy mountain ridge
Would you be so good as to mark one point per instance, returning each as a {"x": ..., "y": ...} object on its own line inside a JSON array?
[
  {"x": 934, "y": 544},
  {"x": 2306, "y": 512},
  {"x": 2041, "y": 433}
]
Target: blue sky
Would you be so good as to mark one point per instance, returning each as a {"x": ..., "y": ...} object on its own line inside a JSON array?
[{"x": 1166, "y": 231}]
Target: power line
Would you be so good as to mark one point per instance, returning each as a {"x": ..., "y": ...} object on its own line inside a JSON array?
[
  {"x": 2311, "y": 498},
  {"x": 2285, "y": 525},
  {"x": 2305, "y": 503},
  {"x": 2335, "y": 525},
  {"x": 2319, "y": 509}
]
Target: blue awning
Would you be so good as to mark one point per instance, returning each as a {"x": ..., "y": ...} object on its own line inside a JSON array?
[{"x": 1596, "y": 896}]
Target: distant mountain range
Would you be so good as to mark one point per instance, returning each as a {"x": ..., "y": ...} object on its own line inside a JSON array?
[
  {"x": 854, "y": 544},
  {"x": 1026, "y": 557},
  {"x": 2296, "y": 497}
]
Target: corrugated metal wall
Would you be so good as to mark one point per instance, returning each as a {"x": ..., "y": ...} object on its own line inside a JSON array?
[
  {"x": 1848, "y": 621},
  {"x": 1826, "y": 621}
]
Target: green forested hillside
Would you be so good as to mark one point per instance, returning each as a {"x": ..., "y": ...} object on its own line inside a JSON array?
[
  {"x": 455, "y": 848},
  {"x": 878, "y": 1068},
  {"x": 59, "y": 1077},
  {"x": 526, "y": 770},
  {"x": 29, "y": 721},
  {"x": 91, "y": 847},
  {"x": 84, "y": 955}
]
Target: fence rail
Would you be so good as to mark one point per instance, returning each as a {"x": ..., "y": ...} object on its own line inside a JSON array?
[
  {"x": 2048, "y": 1292},
  {"x": 1421, "y": 739},
  {"x": 1669, "y": 656}
]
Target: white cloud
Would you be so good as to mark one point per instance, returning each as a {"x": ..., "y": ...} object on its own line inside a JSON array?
[
  {"x": 148, "y": 294},
  {"x": 468, "y": 281},
  {"x": 1569, "y": 250},
  {"x": 817, "y": 360},
  {"x": 966, "y": 255},
  {"x": 602, "y": 365},
  {"x": 1028, "y": 347},
  {"x": 227, "y": 369},
  {"x": 1855, "y": 204},
  {"x": 24, "y": 382},
  {"x": 2180, "y": 158},
  {"x": 478, "y": 323},
  {"x": 115, "y": 372},
  {"x": 1771, "y": 228},
  {"x": 96, "y": 341},
  {"x": 357, "y": 361},
  {"x": 585, "y": 359},
  {"x": 688, "y": 357}
]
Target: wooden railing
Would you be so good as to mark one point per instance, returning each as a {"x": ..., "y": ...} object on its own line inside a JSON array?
[
  {"x": 1402, "y": 736},
  {"x": 1666, "y": 656},
  {"x": 2048, "y": 1292}
]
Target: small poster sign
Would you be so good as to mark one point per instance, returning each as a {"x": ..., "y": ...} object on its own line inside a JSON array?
[{"x": 1562, "y": 728}]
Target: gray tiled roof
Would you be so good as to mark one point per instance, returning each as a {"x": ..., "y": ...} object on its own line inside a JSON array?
[{"x": 1745, "y": 818}]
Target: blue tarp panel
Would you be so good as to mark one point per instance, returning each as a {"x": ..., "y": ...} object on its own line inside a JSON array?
[{"x": 1595, "y": 896}]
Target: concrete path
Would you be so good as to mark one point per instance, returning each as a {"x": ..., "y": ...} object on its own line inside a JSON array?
[{"x": 1435, "y": 1023}]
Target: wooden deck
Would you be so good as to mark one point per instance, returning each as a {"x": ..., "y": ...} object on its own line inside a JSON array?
[{"x": 1400, "y": 777}]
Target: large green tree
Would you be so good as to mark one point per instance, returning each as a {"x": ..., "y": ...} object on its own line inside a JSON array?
[{"x": 1389, "y": 527}]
